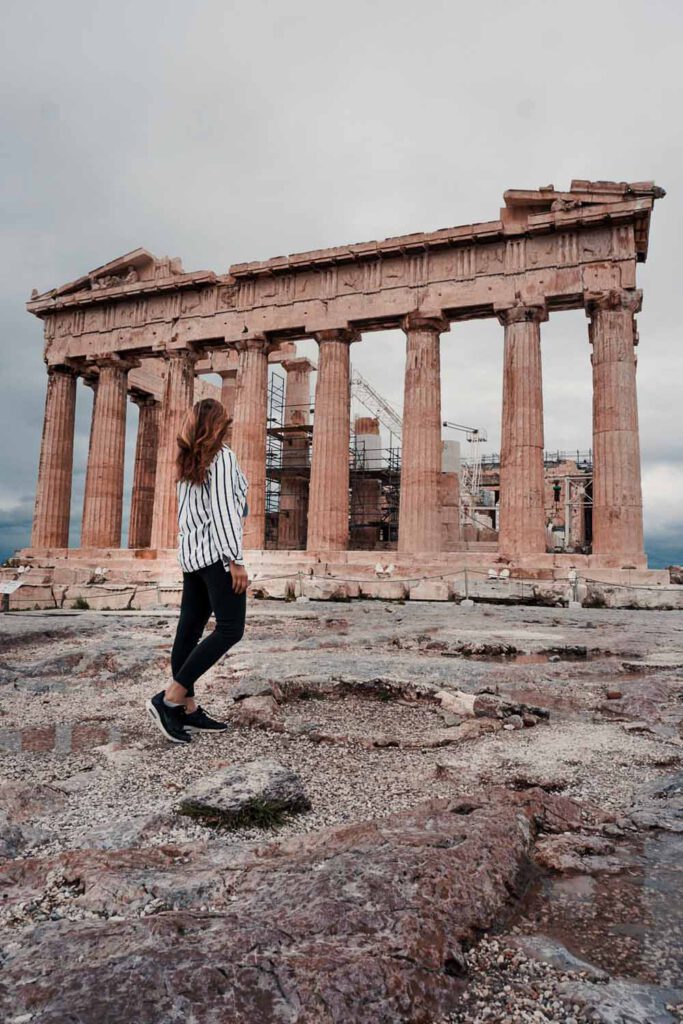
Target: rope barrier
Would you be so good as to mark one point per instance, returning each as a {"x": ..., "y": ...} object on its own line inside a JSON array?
[
  {"x": 575, "y": 581},
  {"x": 302, "y": 574}
]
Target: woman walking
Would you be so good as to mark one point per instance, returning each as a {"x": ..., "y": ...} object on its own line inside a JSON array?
[{"x": 211, "y": 503}]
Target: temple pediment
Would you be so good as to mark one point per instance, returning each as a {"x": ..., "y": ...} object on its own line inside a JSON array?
[{"x": 125, "y": 272}]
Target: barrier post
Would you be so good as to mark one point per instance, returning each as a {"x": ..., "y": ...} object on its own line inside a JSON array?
[{"x": 467, "y": 602}]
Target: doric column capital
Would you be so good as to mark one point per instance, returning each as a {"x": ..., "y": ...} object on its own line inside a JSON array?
[
  {"x": 628, "y": 300},
  {"x": 346, "y": 334},
  {"x": 227, "y": 374},
  {"x": 298, "y": 364},
  {"x": 62, "y": 368},
  {"x": 521, "y": 312},
  {"x": 423, "y": 320},
  {"x": 142, "y": 399},
  {"x": 253, "y": 343},
  {"x": 190, "y": 355},
  {"x": 115, "y": 361}
]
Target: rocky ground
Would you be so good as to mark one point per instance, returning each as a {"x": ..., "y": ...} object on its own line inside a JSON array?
[{"x": 508, "y": 772}]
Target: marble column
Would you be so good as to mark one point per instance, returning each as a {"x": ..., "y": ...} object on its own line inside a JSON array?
[
  {"x": 144, "y": 473},
  {"x": 53, "y": 494},
  {"x": 228, "y": 394},
  {"x": 178, "y": 396},
  {"x": 249, "y": 433},
  {"x": 103, "y": 497},
  {"x": 419, "y": 512},
  {"x": 294, "y": 481},
  {"x": 522, "y": 474},
  {"x": 328, "y": 502},
  {"x": 617, "y": 497}
]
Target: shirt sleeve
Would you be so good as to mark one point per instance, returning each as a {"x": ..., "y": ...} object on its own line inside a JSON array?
[{"x": 227, "y": 495}]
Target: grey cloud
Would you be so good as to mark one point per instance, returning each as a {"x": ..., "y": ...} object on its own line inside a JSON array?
[{"x": 223, "y": 131}]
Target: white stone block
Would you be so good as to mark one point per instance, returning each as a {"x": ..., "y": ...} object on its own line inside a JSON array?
[{"x": 429, "y": 590}]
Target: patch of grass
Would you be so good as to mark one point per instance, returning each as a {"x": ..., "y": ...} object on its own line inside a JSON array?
[
  {"x": 256, "y": 813},
  {"x": 81, "y": 603}
]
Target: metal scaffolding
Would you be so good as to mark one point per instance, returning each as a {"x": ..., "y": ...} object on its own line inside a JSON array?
[{"x": 377, "y": 406}]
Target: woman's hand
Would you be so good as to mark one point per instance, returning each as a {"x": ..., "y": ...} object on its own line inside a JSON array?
[{"x": 240, "y": 579}]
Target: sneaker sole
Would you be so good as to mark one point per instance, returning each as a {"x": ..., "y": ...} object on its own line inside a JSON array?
[
  {"x": 196, "y": 728},
  {"x": 156, "y": 718}
]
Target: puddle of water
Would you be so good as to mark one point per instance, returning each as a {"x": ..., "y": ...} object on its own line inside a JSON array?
[
  {"x": 629, "y": 923},
  {"x": 543, "y": 657},
  {"x": 536, "y": 659}
]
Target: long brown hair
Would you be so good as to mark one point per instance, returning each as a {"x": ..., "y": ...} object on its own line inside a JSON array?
[{"x": 201, "y": 436}]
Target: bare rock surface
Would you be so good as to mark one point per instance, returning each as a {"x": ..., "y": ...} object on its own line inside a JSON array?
[
  {"x": 353, "y": 924},
  {"x": 661, "y": 806},
  {"x": 245, "y": 793},
  {"x": 12, "y": 839},
  {"x": 355, "y": 706},
  {"x": 122, "y": 833},
  {"x": 23, "y": 801}
]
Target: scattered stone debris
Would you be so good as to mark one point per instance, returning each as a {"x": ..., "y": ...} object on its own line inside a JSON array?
[{"x": 523, "y": 980}]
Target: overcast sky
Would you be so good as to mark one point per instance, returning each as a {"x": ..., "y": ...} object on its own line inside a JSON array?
[{"x": 227, "y": 131}]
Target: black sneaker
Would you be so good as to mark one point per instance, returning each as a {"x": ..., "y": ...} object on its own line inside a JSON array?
[
  {"x": 199, "y": 721},
  {"x": 168, "y": 720}
]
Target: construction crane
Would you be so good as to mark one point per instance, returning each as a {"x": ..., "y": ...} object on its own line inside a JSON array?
[
  {"x": 390, "y": 418},
  {"x": 470, "y": 475},
  {"x": 471, "y": 433},
  {"x": 375, "y": 404}
]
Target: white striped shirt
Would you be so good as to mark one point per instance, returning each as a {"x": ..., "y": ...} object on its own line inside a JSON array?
[{"x": 210, "y": 515}]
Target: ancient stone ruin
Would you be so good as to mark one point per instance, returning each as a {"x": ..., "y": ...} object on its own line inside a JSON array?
[{"x": 143, "y": 329}]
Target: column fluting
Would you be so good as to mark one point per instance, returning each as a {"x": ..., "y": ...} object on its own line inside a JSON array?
[
  {"x": 617, "y": 495},
  {"x": 144, "y": 473},
  {"x": 522, "y": 472},
  {"x": 295, "y": 448},
  {"x": 419, "y": 515},
  {"x": 103, "y": 497},
  {"x": 328, "y": 501},
  {"x": 178, "y": 396},
  {"x": 249, "y": 433},
  {"x": 53, "y": 493},
  {"x": 228, "y": 394}
]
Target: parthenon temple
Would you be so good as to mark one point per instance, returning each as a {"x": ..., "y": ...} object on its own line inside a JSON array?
[{"x": 143, "y": 329}]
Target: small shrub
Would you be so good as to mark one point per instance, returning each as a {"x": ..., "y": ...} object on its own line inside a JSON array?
[
  {"x": 81, "y": 604},
  {"x": 256, "y": 813}
]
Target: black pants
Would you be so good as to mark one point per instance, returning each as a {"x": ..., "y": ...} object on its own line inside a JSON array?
[{"x": 205, "y": 591}]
